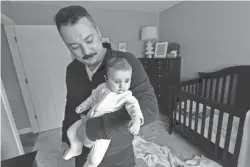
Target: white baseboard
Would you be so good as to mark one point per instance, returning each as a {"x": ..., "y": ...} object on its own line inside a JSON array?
[{"x": 24, "y": 131}]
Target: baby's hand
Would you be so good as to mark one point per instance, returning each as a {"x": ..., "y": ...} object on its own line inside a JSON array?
[
  {"x": 79, "y": 110},
  {"x": 134, "y": 126}
]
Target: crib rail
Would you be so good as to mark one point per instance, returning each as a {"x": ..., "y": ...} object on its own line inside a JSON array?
[
  {"x": 228, "y": 86},
  {"x": 193, "y": 124}
]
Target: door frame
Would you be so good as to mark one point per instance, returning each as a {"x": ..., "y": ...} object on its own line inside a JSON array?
[
  {"x": 8, "y": 25},
  {"x": 11, "y": 119}
]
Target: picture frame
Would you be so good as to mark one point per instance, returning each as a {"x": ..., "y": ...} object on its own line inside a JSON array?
[
  {"x": 105, "y": 40},
  {"x": 161, "y": 50},
  {"x": 122, "y": 47}
]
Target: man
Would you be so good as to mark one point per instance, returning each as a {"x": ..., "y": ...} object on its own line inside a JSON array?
[{"x": 83, "y": 38}]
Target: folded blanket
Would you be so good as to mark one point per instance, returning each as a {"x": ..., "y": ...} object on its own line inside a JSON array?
[{"x": 154, "y": 154}]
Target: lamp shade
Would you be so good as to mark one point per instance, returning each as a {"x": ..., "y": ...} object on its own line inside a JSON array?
[{"x": 149, "y": 33}]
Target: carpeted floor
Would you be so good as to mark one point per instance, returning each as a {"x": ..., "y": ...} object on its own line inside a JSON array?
[{"x": 49, "y": 155}]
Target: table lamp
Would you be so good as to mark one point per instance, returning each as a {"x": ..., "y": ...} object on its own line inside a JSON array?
[{"x": 149, "y": 34}]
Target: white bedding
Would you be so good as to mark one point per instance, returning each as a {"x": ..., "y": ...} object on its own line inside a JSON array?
[
  {"x": 215, "y": 124},
  {"x": 155, "y": 155}
]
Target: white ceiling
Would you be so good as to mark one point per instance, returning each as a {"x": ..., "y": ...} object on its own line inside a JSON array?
[{"x": 139, "y": 6}]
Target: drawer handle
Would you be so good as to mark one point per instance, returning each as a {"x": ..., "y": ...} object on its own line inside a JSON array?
[
  {"x": 159, "y": 86},
  {"x": 159, "y": 75},
  {"x": 159, "y": 95},
  {"x": 159, "y": 67}
]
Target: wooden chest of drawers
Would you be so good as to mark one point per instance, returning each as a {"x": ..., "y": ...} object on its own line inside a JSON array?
[{"x": 163, "y": 73}]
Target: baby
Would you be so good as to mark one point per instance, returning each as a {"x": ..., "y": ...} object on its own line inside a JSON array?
[{"x": 106, "y": 98}]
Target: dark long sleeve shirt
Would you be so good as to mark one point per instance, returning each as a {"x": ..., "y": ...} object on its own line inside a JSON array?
[{"x": 114, "y": 125}]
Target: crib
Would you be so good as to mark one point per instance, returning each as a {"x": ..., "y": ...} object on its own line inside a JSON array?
[{"x": 210, "y": 111}]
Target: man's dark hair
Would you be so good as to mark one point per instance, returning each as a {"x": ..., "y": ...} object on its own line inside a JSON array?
[{"x": 71, "y": 15}]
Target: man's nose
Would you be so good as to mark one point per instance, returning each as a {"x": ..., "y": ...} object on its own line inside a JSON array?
[{"x": 85, "y": 49}]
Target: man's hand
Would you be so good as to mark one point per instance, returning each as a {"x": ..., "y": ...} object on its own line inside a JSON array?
[
  {"x": 134, "y": 126},
  {"x": 64, "y": 147}
]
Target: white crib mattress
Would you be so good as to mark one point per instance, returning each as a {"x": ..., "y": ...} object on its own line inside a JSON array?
[{"x": 215, "y": 125}]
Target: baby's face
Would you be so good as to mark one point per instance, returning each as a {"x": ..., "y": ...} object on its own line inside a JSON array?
[{"x": 119, "y": 80}]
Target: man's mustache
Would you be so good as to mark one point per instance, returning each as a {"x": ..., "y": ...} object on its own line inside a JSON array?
[{"x": 89, "y": 56}]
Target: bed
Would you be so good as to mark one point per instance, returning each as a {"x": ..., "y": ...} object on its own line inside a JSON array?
[{"x": 210, "y": 112}]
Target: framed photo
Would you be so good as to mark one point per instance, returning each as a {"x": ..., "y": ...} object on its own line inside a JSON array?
[
  {"x": 122, "y": 47},
  {"x": 106, "y": 40},
  {"x": 161, "y": 50}
]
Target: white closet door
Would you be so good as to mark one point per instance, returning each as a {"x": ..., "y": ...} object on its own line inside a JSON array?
[{"x": 45, "y": 58}]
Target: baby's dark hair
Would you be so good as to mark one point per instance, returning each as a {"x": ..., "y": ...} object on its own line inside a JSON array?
[{"x": 118, "y": 63}]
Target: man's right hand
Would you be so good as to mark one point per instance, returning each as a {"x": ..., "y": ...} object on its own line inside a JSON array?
[{"x": 64, "y": 147}]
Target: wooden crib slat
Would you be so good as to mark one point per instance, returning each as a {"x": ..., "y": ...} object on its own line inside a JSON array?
[
  {"x": 196, "y": 117},
  {"x": 179, "y": 119},
  {"x": 197, "y": 89},
  {"x": 175, "y": 107},
  {"x": 228, "y": 137},
  {"x": 211, "y": 120},
  {"x": 239, "y": 136},
  {"x": 237, "y": 94},
  {"x": 189, "y": 88},
  {"x": 204, "y": 113},
  {"x": 205, "y": 88},
  {"x": 190, "y": 115},
  {"x": 218, "y": 135},
  {"x": 173, "y": 110},
  {"x": 199, "y": 93},
  {"x": 223, "y": 89},
  {"x": 193, "y": 88},
  {"x": 230, "y": 89},
  {"x": 216, "y": 89},
  {"x": 185, "y": 112},
  {"x": 211, "y": 89},
  {"x": 175, "y": 115},
  {"x": 202, "y": 88}
]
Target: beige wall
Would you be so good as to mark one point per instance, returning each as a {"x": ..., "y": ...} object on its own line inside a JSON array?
[
  {"x": 11, "y": 84},
  {"x": 119, "y": 26},
  {"x": 212, "y": 34}
]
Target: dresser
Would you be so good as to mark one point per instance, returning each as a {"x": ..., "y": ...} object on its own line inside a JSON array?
[{"x": 163, "y": 72}]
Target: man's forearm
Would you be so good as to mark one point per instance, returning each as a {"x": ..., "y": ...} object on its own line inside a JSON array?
[
  {"x": 94, "y": 129},
  {"x": 102, "y": 127}
]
